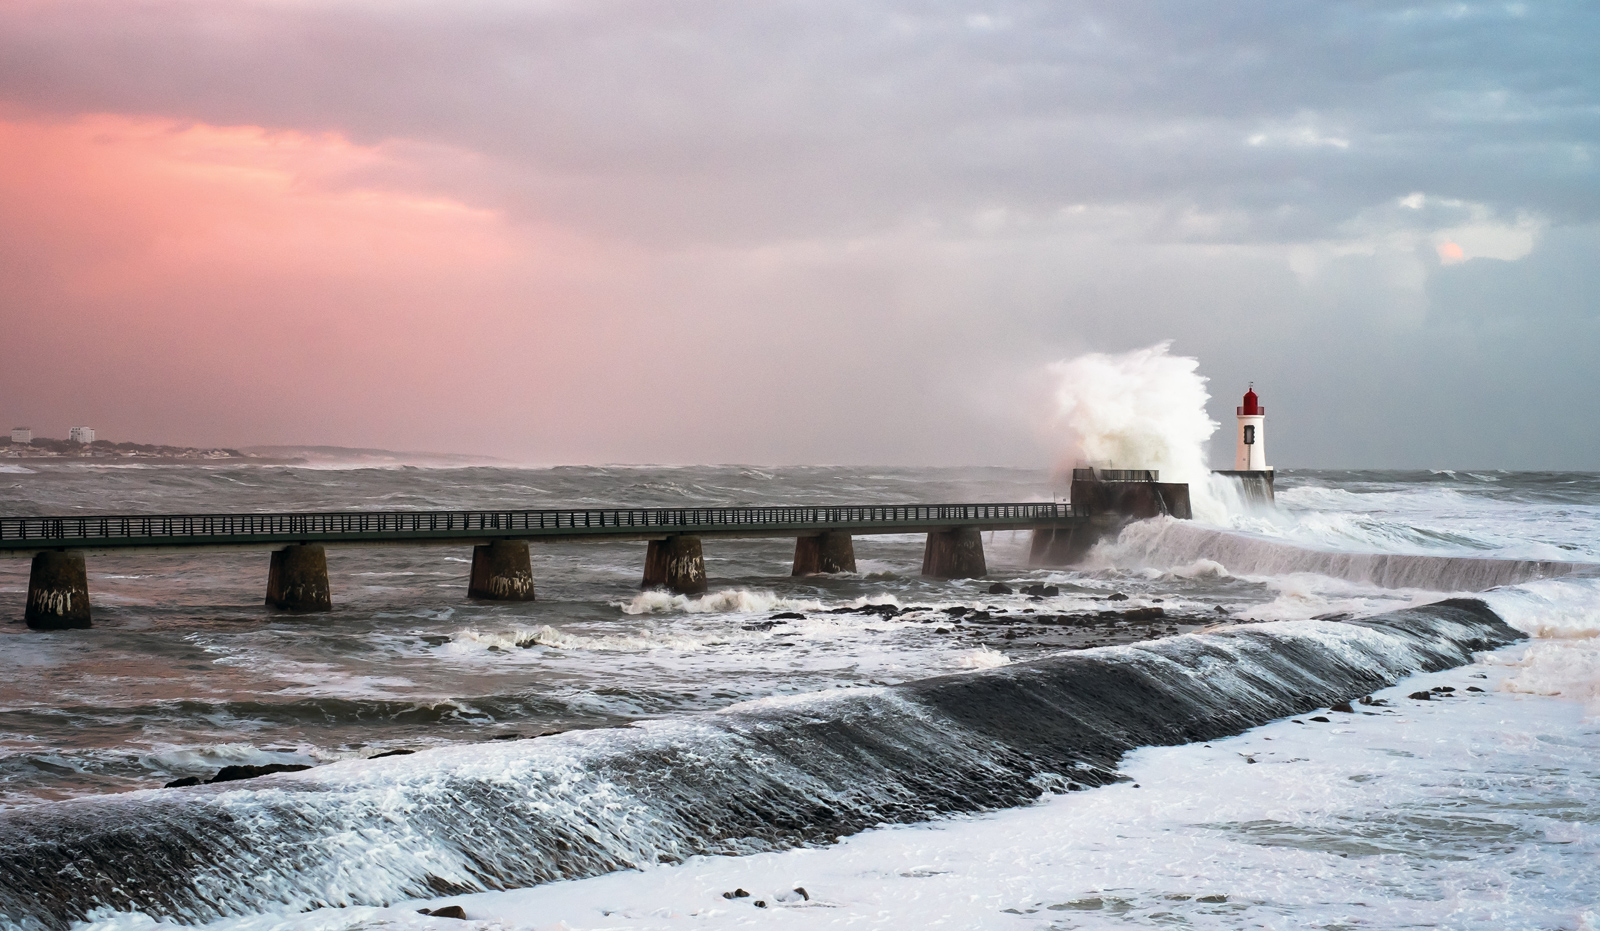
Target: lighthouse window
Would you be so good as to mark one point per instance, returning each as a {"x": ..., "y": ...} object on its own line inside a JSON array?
[{"x": 1250, "y": 435}]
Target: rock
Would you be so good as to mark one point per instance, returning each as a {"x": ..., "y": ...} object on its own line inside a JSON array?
[
  {"x": 506, "y": 737},
  {"x": 379, "y": 756},
  {"x": 1420, "y": 696},
  {"x": 182, "y": 783},
  {"x": 235, "y": 773},
  {"x": 788, "y": 616},
  {"x": 941, "y": 630},
  {"x": 1211, "y": 899},
  {"x": 1116, "y": 596},
  {"x": 1321, "y": 720},
  {"x": 760, "y": 625},
  {"x": 1342, "y": 707},
  {"x": 1144, "y": 614},
  {"x": 1220, "y": 609},
  {"x": 1000, "y": 588},
  {"x": 1074, "y": 787},
  {"x": 445, "y": 911},
  {"x": 736, "y": 894},
  {"x": 1050, "y": 591},
  {"x": 957, "y": 611},
  {"x": 801, "y": 891},
  {"x": 1473, "y": 688},
  {"x": 1442, "y": 689},
  {"x": 758, "y": 903}
]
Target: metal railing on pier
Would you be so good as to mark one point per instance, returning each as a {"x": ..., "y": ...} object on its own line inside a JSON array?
[{"x": 32, "y": 533}]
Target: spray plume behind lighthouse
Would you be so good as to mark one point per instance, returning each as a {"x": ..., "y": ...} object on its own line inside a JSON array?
[{"x": 1144, "y": 409}]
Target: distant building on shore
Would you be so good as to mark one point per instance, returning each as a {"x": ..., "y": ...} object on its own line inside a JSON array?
[
  {"x": 21, "y": 436},
  {"x": 83, "y": 435}
]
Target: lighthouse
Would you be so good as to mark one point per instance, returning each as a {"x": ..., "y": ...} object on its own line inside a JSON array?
[{"x": 1252, "y": 446}]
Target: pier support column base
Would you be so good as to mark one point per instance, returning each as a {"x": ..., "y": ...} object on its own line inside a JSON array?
[
  {"x": 954, "y": 554},
  {"x": 677, "y": 564},
  {"x": 58, "y": 591},
  {"x": 826, "y": 552},
  {"x": 501, "y": 571},
  {"x": 298, "y": 579},
  {"x": 1054, "y": 547}
]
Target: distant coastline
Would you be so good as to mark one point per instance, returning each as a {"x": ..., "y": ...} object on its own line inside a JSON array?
[{"x": 44, "y": 449}]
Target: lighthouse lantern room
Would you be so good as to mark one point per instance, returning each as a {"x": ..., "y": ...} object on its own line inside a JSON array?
[{"x": 1252, "y": 446}]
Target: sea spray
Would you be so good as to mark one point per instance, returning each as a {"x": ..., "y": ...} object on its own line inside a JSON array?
[{"x": 1144, "y": 409}]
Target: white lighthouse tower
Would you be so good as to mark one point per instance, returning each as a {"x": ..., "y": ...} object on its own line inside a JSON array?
[{"x": 1252, "y": 446}]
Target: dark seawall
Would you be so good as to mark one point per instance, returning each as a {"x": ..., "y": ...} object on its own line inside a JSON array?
[{"x": 759, "y": 776}]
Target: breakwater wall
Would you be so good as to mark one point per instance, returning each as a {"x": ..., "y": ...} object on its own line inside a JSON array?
[{"x": 759, "y": 776}]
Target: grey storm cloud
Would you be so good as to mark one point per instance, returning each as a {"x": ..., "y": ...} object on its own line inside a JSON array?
[{"x": 777, "y": 119}]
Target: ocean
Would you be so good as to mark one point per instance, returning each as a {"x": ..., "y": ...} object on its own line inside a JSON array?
[{"x": 610, "y": 758}]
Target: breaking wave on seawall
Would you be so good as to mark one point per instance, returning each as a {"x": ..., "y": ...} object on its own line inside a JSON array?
[
  {"x": 763, "y": 775},
  {"x": 1165, "y": 543}
]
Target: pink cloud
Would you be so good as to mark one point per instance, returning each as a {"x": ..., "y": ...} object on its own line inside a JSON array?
[{"x": 173, "y": 278}]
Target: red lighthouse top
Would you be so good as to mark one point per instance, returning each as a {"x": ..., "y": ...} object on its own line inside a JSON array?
[{"x": 1251, "y": 405}]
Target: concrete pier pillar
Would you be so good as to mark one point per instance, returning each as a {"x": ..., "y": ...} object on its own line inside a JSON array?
[
  {"x": 677, "y": 564},
  {"x": 826, "y": 552},
  {"x": 954, "y": 554},
  {"x": 1067, "y": 546},
  {"x": 298, "y": 579},
  {"x": 501, "y": 571},
  {"x": 58, "y": 591}
]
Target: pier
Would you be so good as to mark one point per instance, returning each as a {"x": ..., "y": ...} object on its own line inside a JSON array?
[
  {"x": 1102, "y": 501},
  {"x": 58, "y": 594}
]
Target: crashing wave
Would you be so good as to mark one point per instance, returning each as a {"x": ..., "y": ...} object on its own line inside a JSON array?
[
  {"x": 764, "y": 775},
  {"x": 1167, "y": 544}
]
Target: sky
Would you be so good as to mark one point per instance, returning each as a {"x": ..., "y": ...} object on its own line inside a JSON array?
[{"x": 581, "y": 231}]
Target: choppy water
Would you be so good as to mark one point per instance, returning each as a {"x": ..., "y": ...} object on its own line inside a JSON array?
[{"x": 186, "y": 672}]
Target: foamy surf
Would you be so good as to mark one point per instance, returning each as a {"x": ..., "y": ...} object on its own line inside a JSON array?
[
  {"x": 1296, "y": 823},
  {"x": 763, "y": 776},
  {"x": 1174, "y": 545}
]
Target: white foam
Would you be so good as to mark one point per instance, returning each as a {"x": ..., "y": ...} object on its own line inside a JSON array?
[
  {"x": 726, "y": 601},
  {"x": 1563, "y": 615},
  {"x": 1475, "y": 812},
  {"x": 982, "y": 658}
]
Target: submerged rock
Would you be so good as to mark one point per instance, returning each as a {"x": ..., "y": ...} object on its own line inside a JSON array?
[{"x": 235, "y": 773}]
